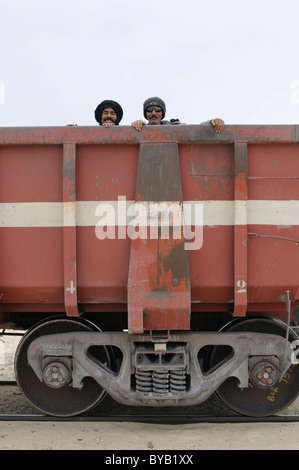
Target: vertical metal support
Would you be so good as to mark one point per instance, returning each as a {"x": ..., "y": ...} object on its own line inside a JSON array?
[
  {"x": 240, "y": 229},
  {"x": 159, "y": 283},
  {"x": 288, "y": 308},
  {"x": 69, "y": 229}
]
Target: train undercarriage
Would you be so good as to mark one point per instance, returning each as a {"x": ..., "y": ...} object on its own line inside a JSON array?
[{"x": 65, "y": 367}]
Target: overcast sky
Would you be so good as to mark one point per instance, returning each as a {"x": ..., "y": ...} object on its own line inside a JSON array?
[{"x": 234, "y": 59}]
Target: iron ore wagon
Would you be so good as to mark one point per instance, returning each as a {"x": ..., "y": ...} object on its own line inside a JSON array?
[{"x": 158, "y": 266}]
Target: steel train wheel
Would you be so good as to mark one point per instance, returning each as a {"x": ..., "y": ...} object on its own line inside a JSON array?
[
  {"x": 254, "y": 401},
  {"x": 65, "y": 401}
]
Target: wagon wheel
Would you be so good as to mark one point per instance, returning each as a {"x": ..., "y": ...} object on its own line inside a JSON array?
[
  {"x": 66, "y": 400},
  {"x": 255, "y": 401}
]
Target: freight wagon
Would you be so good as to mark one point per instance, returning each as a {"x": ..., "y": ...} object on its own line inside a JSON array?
[{"x": 159, "y": 266}]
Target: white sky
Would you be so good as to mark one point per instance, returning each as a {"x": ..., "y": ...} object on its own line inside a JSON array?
[{"x": 234, "y": 59}]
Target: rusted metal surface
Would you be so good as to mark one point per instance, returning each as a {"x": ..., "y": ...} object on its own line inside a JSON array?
[
  {"x": 69, "y": 229},
  {"x": 37, "y": 266},
  {"x": 287, "y": 134},
  {"x": 159, "y": 284},
  {"x": 240, "y": 230}
]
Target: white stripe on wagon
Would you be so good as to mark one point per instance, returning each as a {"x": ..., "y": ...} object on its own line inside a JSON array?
[{"x": 215, "y": 213}]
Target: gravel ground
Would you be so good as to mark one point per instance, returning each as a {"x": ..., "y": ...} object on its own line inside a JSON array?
[{"x": 120, "y": 436}]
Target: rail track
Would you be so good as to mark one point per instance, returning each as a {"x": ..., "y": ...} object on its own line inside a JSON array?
[
  {"x": 145, "y": 418},
  {"x": 156, "y": 419}
]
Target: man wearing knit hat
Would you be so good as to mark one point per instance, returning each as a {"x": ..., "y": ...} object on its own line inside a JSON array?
[
  {"x": 108, "y": 113},
  {"x": 154, "y": 110}
]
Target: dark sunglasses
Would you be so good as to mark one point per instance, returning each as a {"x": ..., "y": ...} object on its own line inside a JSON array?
[{"x": 152, "y": 108}]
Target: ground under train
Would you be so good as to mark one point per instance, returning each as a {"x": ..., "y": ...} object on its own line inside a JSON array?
[{"x": 155, "y": 308}]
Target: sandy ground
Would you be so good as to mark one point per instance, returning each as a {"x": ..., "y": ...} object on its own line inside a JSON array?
[
  {"x": 131, "y": 436},
  {"x": 150, "y": 437}
]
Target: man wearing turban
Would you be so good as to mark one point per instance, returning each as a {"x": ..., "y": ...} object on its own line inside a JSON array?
[{"x": 108, "y": 113}]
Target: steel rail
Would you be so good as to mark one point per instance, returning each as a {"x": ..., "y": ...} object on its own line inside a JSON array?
[{"x": 154, "y": 419}]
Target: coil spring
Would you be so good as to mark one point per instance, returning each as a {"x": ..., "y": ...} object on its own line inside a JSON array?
[
  {"x": 143, "y": 380},
  {"x": 160, "y": 381},
  {"x": 177, "y": 380}
]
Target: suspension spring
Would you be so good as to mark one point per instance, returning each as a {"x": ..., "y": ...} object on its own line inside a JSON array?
[
  {"x": 177, "y": 380},
  {"x": 143, "y": 380},
  {"x": 160, "y": 381}
]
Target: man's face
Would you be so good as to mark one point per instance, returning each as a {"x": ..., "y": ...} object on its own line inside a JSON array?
[
  {"x": 108, "y": 116},
  {"x": 154, "y": 115}
]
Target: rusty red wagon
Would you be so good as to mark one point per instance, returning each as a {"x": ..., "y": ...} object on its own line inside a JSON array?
[{"x": 158, "y": 266}]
